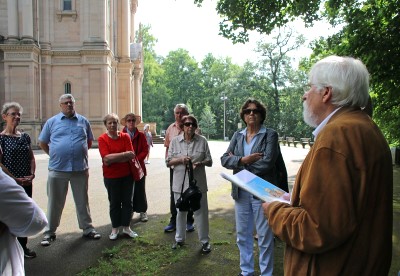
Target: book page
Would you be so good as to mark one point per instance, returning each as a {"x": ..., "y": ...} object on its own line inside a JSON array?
[{"x": 257, "y": 186}]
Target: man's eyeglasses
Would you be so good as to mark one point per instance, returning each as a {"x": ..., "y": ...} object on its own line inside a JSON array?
[
  {"x": 188, "y": 124},
  {"x": 130, "y": 121},
  {"x": 14, "y": 114},
  {"x": 247, "y": 111},
  {"x": 181, "y": 113},
  {"x": 67, "y": 103}
]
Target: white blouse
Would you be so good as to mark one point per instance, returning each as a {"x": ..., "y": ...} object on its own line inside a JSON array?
[{"x": 22, "y": 217}]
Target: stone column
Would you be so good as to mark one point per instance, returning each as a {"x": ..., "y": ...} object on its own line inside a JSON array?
[
  {"x": 27, "y": 20},
  {"x": 133, "y": 12},
  {"x": 137, "y": 93},
  {"x": 125, "y": 30},
  {"x": 12, "y": 21}
]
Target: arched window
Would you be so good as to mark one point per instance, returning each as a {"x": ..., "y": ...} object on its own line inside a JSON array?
[{"x": 67, "y": 88}]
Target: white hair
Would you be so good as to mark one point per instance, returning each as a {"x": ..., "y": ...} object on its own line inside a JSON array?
[{"x": 348, "y": 77}]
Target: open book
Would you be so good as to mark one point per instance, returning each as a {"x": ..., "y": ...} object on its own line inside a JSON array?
[{"x": 255, "y": 185}]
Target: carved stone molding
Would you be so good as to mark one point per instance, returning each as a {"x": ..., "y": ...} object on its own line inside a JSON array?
[
  {"x": 134, "y": 4},
  {"x": 61, "y": 14},
  {"x": 94, "y": 60},
  {"x": 66, "y": 60},
  {"x": 17, "y": 56}
]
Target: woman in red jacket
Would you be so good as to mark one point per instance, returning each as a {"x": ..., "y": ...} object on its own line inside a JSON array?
[
  {"x": 141, "y": 148},
  {"x": 116, "y": 150}
]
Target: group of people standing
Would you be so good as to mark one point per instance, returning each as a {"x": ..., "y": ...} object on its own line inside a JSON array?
[
  {"x": 118, "y": 149},
  {"x": 66, "y": 138},
  {"x": 343, "y": 191},
  {"x": 339, "y": 219}
]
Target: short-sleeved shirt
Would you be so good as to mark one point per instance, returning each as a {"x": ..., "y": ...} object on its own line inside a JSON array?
[
  {"x": 16, "y": 154},
  {"x": 68, "y": 142},
  {"x": 172, "y": 131}
]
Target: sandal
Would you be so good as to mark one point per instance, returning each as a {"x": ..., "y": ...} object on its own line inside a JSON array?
[{"x": 94, "y": 235}]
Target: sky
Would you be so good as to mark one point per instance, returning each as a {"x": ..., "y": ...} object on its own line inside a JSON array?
[{"x": 181, "y": 24}]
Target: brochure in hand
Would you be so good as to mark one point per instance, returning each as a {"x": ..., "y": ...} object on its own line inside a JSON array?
[{"x": 255, "y": 185}]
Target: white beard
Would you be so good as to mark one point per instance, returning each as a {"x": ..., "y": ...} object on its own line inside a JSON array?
[{"x": 309, "y": 117}]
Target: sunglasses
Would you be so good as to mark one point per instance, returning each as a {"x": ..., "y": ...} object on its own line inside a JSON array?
[
  {"x": 130, "y": 120},
  {"x": 188, "y": 124},
  {"x": 247, "y": 111},
  {"x": 14, "y": 114}
]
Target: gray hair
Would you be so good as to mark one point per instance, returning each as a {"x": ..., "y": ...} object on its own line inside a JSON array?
[
  {"x": 9, "y": 105},
  {"x": 348, "y": 77},
  {"x": 110, "y": 116},
  {"x": 182, "y": 106},
  {"x": 66, "y": 96}
]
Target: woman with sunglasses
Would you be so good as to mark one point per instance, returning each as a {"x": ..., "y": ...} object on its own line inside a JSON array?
[
  {"x": 16, "y": 156},
  {"x": 139, "y": 143},
  {"x": 255, "y": 149},
  {"x": 184, "y": 147}
]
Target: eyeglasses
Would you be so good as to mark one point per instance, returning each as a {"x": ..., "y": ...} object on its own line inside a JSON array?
[
  {"x": 14, "y": 114},
  {"x": 67, "y": 103},
  {"x": 247, "y": 111},
  {"x": 308, "y": 87},
  {"x": 180, "y": 113},
  {"x": 130, "y": 121},
  {"x": 188, "y": 124}
]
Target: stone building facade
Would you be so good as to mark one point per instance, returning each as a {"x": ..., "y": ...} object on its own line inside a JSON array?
[{"x": 82, "y": 47}]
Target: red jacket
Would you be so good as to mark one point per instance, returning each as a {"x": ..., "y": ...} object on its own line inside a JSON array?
[{"x": 140, "y": 146}]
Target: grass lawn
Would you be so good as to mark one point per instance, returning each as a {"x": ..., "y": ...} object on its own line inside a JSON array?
[{"x": 151, "y": 253}]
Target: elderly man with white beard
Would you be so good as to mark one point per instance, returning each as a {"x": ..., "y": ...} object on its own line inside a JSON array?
[{"x": 339, "y": 220}]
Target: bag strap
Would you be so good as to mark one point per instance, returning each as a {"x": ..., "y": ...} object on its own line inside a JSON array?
[
  {"x": 184, "y": 176},
  {"x": 189, "y": 167}
]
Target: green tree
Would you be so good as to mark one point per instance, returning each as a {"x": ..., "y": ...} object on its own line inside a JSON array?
[
  {"x": 155, "y": 99},
  {"x": 207, "y": 122},
  {"x": 275, "y": 71},
  {"x": 217, "y": 76},
  {"x": 370, "y": 31},
  {"x": 182, "y": 80}
]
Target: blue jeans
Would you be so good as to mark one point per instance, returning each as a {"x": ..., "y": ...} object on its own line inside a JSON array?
[{"x": 249, "y": 213}]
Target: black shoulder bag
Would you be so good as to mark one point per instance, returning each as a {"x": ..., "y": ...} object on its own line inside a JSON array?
[{"x": 190, "y": 199}]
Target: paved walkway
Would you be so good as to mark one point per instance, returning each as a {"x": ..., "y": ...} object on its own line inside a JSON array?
[{"x": 70, "y": 253}]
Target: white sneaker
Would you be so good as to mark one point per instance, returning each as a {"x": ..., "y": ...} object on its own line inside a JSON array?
[
  {"x": 130, "y": 233},
  {"x": 113, "y": 236},
  {"x": 143, "y": 217}
]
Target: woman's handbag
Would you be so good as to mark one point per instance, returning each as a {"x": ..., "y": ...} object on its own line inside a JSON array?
[
  {"x": 136, "y": 169},
  {"x": 190, "y": 199}
]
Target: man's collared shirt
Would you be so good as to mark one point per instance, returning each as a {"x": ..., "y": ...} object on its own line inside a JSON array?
[
  {"x": 172, "y": 131},
  {"x": 68, "y": 142},
  {"x": 323, "y": 123}
]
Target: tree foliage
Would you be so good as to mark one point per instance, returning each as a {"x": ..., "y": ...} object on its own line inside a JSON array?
[
  {"x": 370, "y": 31},
  {"x": 216, "y": 85},
  {"x": 207, "y": 122}
]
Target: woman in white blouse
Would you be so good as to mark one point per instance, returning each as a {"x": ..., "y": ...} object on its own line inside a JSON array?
[{"x": 194, "y": 147}]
